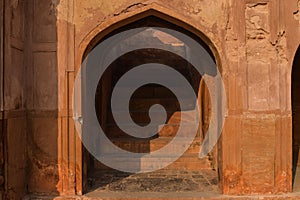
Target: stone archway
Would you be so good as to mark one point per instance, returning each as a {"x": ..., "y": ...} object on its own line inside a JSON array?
[
  {"x": 200, "y": 89},
  {"x": 296, "y": 120},
  {"x": 70, "y": 56}
]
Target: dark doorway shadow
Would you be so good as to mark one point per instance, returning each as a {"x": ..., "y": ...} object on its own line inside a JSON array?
[{"x": 296, "y": 120}]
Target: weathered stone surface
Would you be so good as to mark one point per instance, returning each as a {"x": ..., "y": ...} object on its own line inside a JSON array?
[
  {"x": 258, "y": 144},
  {"x": 160, "y": 181},
  {"x": 14, "y": 91},
  {"x": 42, "y": 152},
  {"x": 254, "y": 43},
  {"x": 16, "y": 162},
  {"x": 45, "y": 81}
]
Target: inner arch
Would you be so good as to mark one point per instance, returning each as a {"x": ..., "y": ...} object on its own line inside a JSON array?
[{"x": 152, "y": 94}]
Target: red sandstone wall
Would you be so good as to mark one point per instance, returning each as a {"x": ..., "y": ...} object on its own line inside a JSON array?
[
  {"x": 14, "y": 100},
  {"x": 256, "y": 41},
  {"x": 42, "y": 122},
  {"x": 29, "y": 116}
]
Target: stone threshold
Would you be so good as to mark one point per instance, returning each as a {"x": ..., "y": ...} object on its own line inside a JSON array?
[{"x": 167, "y": 196}]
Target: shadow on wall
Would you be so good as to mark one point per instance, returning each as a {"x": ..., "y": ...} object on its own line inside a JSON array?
[{"x": 296, "y": 120}]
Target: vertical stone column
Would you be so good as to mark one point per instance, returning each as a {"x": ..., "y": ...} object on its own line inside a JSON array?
[
  {"x": 267, "y": 121},
  {"x": 256, "y": 141},
  {"x": 259, "y": 113},
  {"x": 258, "y": 126},
  {"x": 42, "y": 97},
  {"x": 69, "y": 154},
  {"x": 13, "y": 102},
  {"x": 234, "y": 77}
]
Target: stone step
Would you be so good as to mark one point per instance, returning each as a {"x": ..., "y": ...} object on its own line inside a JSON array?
[
  {"x": 119, "y": 73},
  {"x": 144, "y": 104},
  {"x": 185, "y": 162},
  {"x": 161, "y": 91},
  {"x": 207, "y": 194},
  {"x": 155, "y": 91},
  {"x": 166, "y": 130},
  {"x": 142, "y": 117},
  {"x": 178, "y": 64},
  {"x": 150, "y": 145},
  {"x": 169, "y": 130}
]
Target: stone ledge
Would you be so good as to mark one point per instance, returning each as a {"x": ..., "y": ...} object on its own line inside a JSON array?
[{"x": 166, "y": 196}]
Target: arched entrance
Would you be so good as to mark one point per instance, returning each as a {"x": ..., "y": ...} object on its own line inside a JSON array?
[
  {"x": 296, "y": 120},
  {"x": 95, "y": 173}
]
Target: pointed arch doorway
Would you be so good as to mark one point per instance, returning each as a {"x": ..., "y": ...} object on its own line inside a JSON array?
[{"x": 95, "y": 173}]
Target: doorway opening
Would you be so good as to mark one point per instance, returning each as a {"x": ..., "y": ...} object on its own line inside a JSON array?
[
  {"x": 187, "y": 174},
  {"x": 296, "y": 120}
]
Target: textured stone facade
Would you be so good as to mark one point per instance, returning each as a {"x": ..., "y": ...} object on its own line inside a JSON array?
[{"x": 42, "y": 46}]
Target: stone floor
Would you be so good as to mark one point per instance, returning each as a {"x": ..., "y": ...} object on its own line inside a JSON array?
[
  {"x": 166, "y": 185},
  {"x": 167, "y": 196},
  {"x": 160, "y": 181},
  {"x": 163, "y": 182}
]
